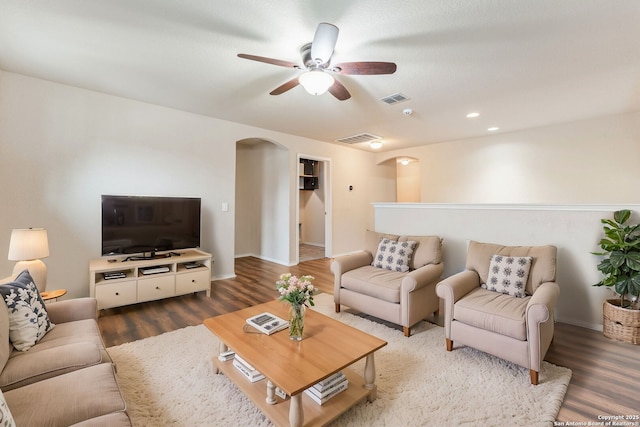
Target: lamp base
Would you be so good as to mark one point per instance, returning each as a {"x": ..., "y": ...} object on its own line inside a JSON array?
[{"x": 37, "y": 270}]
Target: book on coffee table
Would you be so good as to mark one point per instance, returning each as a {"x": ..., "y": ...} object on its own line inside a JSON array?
[
  {"x": 267, "y": 323},
  {"x": 246, "y": 369},
  {"x": 322, "y": 397},
  {"x": 329, "y": 382}
]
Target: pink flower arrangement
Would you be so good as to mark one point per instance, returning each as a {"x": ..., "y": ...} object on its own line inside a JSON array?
[{"x": 298, "y": 291}]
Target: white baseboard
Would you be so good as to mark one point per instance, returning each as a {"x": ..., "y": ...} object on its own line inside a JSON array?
[
  {"x": 592, "y": 326},
  {"x": 224, "y": 276},
  {"x": 277, "y": 261},
  {"x": 320, "y": 245}
]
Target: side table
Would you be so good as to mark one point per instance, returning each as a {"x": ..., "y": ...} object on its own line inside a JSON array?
[{"x": 53, "y": 295}]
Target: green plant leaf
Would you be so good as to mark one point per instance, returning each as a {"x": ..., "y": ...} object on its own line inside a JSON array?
[
  {"x": 617, "y": 258},
  {"x": 605, "y": 266},
  {"x": 621, "y": 216},
  {"x": 634, "y": 285},
  {"x": 633, "y": 260},
  {"x": 622, "y": 286}
]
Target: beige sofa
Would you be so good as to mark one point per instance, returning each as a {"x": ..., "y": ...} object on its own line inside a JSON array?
[
  {"x": 403, "y": 298},
  {"x": 517, "y": 329},
  {"x": 67, "y": 378}
]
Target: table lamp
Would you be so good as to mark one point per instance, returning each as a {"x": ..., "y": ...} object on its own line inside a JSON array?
[{"x": 27, "y": 246}]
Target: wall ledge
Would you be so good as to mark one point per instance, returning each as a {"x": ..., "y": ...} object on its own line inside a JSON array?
[{"x": 501, "y": 206}]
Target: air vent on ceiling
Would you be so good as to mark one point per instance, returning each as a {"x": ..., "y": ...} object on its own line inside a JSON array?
[
  {"x": 361, "y": 137},
  {"x": 394, "y": 99}
]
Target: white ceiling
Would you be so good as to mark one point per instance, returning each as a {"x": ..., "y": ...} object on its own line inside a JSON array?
[{"x": 519, "y": 63}]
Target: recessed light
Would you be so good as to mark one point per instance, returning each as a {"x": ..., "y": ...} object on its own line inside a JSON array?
[
  {"x": 493, "y": 129},
  {"x": 472, "y": 115},
  {"x": 375, "y": 144}
]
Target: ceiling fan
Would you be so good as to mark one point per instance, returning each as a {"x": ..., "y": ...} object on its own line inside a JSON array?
[{"x": 316, "y": 58}]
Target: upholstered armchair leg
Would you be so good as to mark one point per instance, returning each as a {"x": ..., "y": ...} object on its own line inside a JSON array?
[
  {"x": 534, "y": 376},
  {"x": 406, "y": 330},
  {"x": 449, "y": 344},
  {"x": 337, "y": 308}
]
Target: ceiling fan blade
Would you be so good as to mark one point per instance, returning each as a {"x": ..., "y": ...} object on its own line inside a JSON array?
[
  {"x": 324, "y": 41},
  {"x": 365, "y": 68},
  {"x": 338, "y": 90},
  {"x": 285, "y": 87},
  {"x": 272, "y": 61}
]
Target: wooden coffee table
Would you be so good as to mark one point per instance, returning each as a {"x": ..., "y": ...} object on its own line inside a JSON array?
[{"x": 328, "y": 346}]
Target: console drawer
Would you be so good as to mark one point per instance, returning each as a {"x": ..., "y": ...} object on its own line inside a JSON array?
[
  {"x": 193, "y": 282},
  {"x": 116, "y": 294},
  {"x": 153, "y": 288}
]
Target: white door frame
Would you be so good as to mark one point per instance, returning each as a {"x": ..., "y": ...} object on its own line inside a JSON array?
[{"x": 325, "y": 186}]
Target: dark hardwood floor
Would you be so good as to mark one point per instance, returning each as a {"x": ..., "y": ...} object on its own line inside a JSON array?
[{"x": 606, "y": 373}]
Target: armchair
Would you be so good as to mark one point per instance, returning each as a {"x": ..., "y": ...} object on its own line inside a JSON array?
[
  {"x": 517, "y": 329},
  {"x": 400, "y": 297}
]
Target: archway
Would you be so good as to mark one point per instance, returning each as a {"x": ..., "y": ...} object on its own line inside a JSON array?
[
  {"x": 262, "y": 200},
  {"x": 408, "y": 182}
]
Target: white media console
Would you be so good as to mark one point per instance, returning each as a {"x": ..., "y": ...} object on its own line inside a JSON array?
[{"x": 148, "y": 279}]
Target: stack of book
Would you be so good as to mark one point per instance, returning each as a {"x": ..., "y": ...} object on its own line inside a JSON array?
[
  {"x": 246, "y": 369},
  {"x": 328, "y": 388}
]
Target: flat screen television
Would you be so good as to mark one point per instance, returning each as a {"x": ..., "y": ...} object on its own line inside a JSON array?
[{"x": 145, "y": 224}]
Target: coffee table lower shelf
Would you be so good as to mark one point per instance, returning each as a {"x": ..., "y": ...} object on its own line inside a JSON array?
[{"x": 314, "y": 414}]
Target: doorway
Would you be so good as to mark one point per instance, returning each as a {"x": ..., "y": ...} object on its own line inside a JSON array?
[{"x": 313, "y": 214}]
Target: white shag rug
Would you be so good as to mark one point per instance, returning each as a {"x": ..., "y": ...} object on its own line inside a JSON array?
[{"x": 168, "y": 380}]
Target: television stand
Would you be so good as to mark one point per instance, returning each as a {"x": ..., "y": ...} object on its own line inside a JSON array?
[{"x": 134, "y": 287}]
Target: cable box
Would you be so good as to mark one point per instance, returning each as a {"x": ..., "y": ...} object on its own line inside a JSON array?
[
  {"x": 114, "y": 275},
  {"x": 154, "y": 270}
]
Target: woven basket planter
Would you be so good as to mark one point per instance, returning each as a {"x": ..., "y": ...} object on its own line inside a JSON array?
[{"x": 620, "y": 324}]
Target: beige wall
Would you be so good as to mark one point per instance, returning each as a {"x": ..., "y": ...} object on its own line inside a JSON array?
[
  {"x": 587, "y": 162},
  {"x": 62, "y": 147},
  {"x": 409, "y": 182},
  {"x": 540, "y": 186}
]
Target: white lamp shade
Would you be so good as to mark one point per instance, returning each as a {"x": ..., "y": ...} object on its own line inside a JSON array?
[
  {"x": 316, "y": 81},
  {"x": 28, "y": 244}
]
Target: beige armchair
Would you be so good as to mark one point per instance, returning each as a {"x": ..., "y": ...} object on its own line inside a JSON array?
[
  {"x": 517, "y": 329},
  {"x": 403, "y": 298}
]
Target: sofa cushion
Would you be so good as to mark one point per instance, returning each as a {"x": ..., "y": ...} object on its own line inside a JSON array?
[
  {"x": 38, "y": 364},
  {"x": 372, "y": 240},
  {"x": 114, "y": 419},
  {"x": 508, "y": 275},
  {"x": 6, "y": 419},
  {"x": 70, "y": 398},
  {"x": 5, "y": 344},
  {"x": 428, "y": 250},
  {"x": 493, "y": 311},
  {"x": 543, "y": 265},
  {"x": 75, "y": 332},
  {"x": 28, "y": 319},
  {"x": 375, "y": 282},
  {"x": 393, "y": 255}
]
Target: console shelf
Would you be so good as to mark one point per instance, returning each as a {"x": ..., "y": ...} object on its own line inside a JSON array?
[{"x": 188, "y": 272}]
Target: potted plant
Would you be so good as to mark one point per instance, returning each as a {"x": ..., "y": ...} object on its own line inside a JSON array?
[{"x": 621, "y": 269}]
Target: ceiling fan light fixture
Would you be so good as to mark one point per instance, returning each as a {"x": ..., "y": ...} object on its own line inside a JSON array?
[{"x": 316, "y": 81}]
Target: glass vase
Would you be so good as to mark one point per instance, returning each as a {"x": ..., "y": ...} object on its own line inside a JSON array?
[{"x": 296, "y": 321}]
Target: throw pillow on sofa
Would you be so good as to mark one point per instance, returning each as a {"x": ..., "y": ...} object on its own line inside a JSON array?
[
  {"x": 508, "y": 274},
  {"x": 393, "y": 255},
  {"x": 28, "y": 318},
  {"x": 6, "y": 419}
]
